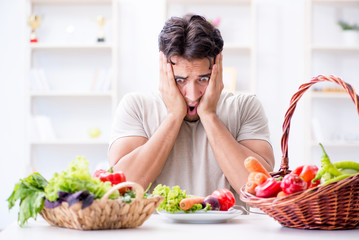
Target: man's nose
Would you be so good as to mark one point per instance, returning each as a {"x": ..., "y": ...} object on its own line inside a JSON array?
[{"x": 193, "y": 91}]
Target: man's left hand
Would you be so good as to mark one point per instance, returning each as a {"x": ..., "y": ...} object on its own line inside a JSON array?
[{"x": 209, "y": 100}]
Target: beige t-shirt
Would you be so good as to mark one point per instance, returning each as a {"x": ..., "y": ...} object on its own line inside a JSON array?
[{"x": 191, "y": 163}]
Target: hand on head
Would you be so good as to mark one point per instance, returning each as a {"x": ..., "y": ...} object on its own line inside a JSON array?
[
  {"x": 209, "y": 100},
  {"x": 171, "y": 95}
]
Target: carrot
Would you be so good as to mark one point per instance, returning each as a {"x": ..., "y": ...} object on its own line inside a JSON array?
[
  {"x": 251, "y": 176},
  {"x": 187, "y": 203},
  {"x": 250, "y": 186},
  {"x": 253, "y": 165},
  {"x": 260, "y": 178}
]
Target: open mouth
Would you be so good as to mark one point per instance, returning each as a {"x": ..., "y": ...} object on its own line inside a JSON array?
[{"x": 192, "y": 110}]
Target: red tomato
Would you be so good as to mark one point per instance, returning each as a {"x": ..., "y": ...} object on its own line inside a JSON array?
[{"x": 225, "y": 197}]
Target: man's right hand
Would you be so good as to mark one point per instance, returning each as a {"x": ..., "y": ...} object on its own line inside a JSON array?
[{"x": 172, "y": 97}]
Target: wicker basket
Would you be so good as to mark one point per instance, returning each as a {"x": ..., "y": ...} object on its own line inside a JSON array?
[
  {"x": 332, "y": 206},
  {"x": 104, "y": 213}
]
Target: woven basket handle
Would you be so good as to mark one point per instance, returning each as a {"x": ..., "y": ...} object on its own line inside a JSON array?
[
  {"x": 284, "y": 168},
  {"x": 135, "y": 186}
]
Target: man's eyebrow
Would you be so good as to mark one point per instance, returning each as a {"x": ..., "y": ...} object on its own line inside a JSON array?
[
  {"x": 180, "y": 77},
  {"x": 205, "y": 75},
  {"x": 202, "y": 75}
]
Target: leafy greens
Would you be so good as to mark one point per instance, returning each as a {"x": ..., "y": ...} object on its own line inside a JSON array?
[
  {"x": 31, "y": 193},
  {"x": 76, "y": 178},
  {"x": 73, "y": 185}
]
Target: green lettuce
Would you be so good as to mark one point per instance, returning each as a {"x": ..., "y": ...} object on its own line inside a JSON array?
[
  {"x": 172, "y": 200},
  {"x": 30, "y": 192},
  {"x": 76, "y": 178}
]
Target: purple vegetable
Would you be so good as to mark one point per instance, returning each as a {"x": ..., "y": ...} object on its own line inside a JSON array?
[
  {"x": 62, "y": 197},
  {"x": 49, "y": 204},
  {"x": 73, "y": 198},
  {"x": 83, "y": 196},
  {"x": 213, "y": 202}
]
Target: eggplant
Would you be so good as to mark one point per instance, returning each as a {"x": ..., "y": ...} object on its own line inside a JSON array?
[{"x": 213, "y": 202}]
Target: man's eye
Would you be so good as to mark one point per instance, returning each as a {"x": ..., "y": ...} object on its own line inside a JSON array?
[
  {"x": 204, "y": 79},
  {"x": 179, "y": 80}
]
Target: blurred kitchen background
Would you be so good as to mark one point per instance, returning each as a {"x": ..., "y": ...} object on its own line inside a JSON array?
[{"x": 58, "y": 93}]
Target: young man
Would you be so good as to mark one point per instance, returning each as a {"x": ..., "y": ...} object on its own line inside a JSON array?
[{"x": 190, "y": 134}]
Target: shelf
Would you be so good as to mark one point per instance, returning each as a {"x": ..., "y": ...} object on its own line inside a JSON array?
[
  {"x": 240, "y": 47},
  {"x": 210, "y": 1},
  {"x": 70, "y": 142},
  {"x": 327, "y": 53},
  {"x": 320, "y": 94},
  {"x": 336, "y": 48},
  {"x": 71, "y": 81},
  {"x": 70, "y": 1},
  {"x": 54, "y": 46},
  {"x": 70, "y": 94},
  {"x": 335, "y": 1},
  {"x": 337, "y": 144}
]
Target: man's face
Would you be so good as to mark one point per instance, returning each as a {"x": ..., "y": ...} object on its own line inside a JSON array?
[{"x": 192, "y": 79}]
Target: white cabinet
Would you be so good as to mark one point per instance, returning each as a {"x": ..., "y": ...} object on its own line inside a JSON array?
[
  {"x": 71, "y": 82},
  {"x": 236, "y": 22},
  {"x": 330, "y": 112}
]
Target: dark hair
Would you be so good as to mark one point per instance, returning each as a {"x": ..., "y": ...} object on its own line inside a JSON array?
[{"x": 191, "y": 37}]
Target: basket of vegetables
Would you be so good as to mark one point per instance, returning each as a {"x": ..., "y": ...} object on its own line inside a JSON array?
[
  {"x": 76, "y": 199},
  {"x": 309, "y": 197}
]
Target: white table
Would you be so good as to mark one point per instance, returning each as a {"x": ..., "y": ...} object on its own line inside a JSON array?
[{"x": 253, "y": 227}]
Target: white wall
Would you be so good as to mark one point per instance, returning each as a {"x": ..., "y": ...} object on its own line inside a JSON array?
[
  {"x": 280, "y": 72},
  {"x": 12, "y": 124},
  {"x": 140, "y": 23},
  {"x": 280, "y": 69}
]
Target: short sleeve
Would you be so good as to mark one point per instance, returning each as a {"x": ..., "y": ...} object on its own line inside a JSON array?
[
  {"x": 254, "y": 123},
  {"x": 128, "y": 119}
]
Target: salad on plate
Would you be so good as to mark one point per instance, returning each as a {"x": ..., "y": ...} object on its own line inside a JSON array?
[{"x": 180, "y": 207}]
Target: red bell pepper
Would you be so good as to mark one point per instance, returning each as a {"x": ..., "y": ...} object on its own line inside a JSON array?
[
  {"x": 307, "y": 172},
  {"x": 225, "y": 197},
  {"x": 110, "y": 176},
  {"x": 292, "y": 183},
  {"x": 270, "y": 188}
]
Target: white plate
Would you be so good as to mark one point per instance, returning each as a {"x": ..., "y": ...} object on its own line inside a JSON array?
[{"x": 202, "y": 216}]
